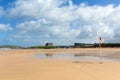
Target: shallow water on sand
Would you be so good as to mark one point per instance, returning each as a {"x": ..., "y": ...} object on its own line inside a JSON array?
[{"x": 69, "y": 56}]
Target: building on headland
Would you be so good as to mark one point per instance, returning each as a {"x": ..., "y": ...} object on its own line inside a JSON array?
[
  {"x": 79, "y": 44},
  {"x": 49, "y": 44}
]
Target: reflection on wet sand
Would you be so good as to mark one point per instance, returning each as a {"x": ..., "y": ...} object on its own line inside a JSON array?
[{"x": 70, "y": 56}]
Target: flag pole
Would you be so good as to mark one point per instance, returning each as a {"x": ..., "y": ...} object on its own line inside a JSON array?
[{"x": 100, "y": 44}]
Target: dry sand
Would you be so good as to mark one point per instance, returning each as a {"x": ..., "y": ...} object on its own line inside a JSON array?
[{"x": 23, "y": 65}]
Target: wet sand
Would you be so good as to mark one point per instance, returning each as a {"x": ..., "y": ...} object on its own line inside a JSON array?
[{"x": 23, "y": 65}]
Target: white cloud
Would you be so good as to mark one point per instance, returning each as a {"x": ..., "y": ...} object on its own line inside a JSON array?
[
  {"x": 4, "y": 27},
  {"x": 50, "y": 20}
]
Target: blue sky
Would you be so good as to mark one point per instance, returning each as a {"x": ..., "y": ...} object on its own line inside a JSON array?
[
  {"x": 35, "y": 22},
  {"x": 6, "y": 3},
  {"x": 98, "y": 2}
]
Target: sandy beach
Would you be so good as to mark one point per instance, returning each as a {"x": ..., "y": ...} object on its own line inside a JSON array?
[{"x": 23, "y": 65}]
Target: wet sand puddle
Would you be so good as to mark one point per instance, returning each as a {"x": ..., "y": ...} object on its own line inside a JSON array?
[{"x": 69, "y": 56}]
